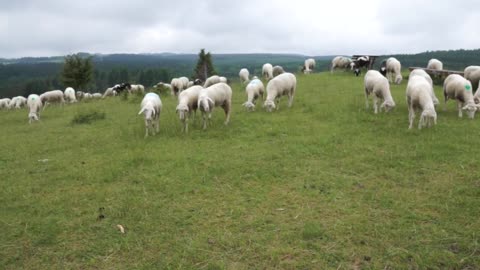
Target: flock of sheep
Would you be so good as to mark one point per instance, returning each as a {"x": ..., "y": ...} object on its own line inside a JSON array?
[{"x": 215, "y": 92}]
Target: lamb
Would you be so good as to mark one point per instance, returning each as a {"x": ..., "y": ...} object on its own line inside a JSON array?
[
  {"x": 151, "y": 107},
  {"x": 459, "y": 88},
  {"x": 267, "y": 71},
  {"x": 393, "y": 69},
  {"x": 5, "y": 103},
  {"x": 136, "y": 88},
  {"x": 283, "y": 85},
  {"x": 435, "y": 64},
  {"x": 54, "y": 96},
  {"x": 419, "y": 98},
  {"x": 277, "y": 70},
  {"x": 188, "y": 103},
  {"x": 254, "y": 89},
  {"x": 69, "y": 95},
  {"x": 244, "y": 75},
  {"x": 308, "y": 66},
  {"x": 472, "y": 73},
  {"x": 18, "y": 102},
  {"x": 378, "y": 85},
  {"x": 422, "y": 73},
  {"x": 340, "y": 62},
  {"x": 34, "y": 104},
  {"x": 217, "y": 95}
]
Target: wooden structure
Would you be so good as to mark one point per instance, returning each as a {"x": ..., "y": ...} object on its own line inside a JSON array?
[
  {"x": 438, "y": 73},
  {"x": 372, "y": 59}
]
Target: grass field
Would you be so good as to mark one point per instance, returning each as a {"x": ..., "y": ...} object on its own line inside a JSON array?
[{"x": 323, "y": 185}]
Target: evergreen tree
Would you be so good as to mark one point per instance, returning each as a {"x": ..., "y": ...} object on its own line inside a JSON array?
[
  {"x": 204, "y": 68},
  {"x": 77, "y": 72}
]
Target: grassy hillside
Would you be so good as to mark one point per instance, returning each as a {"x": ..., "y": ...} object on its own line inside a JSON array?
[{"x": 325, "y": 184}]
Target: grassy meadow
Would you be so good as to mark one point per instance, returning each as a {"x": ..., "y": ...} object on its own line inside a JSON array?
[{"x": 325, "y": 184}]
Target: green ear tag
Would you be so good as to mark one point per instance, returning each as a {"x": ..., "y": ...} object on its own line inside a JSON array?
[
  {"x": 467, "y": 87},
  {"x": 33, "y": 98}
]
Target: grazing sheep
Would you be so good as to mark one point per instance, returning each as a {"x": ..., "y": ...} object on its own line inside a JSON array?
[
  {"x": 422, "y": 73},
  {"x": 214, "y": 80},
  {"x": 34, "y": 104},
  {"x": 177, "y": 86},
  {"x": 267, "y": 71},
  {"x": 340, "y": 62},
  {"x": 151, "y": 107},
  {"x": 283, "y": 85},
  {"x": 361, "y": 62},
  {"x": 119, "y": 88},
  {"x": 19, "y": 102},
  {"x": 244, "y": 75},
  {"x": 96, "y": 95},
  {"x": 184, "y": 81},
  {"x": 476, "y": 97},
  {"x": 190, "y": 84},
  {"x": 254, "y": 89},
  {"x": 472, "y": 73},
  {"x": 458, "y": 88},
  {"x": 383, "y": 68},
  {"x": 69, "y": 95},
  {"x": 79, "y": 95},
  {"x": 394, "y": 69},
  {"x": 277, "y": 70},
  {"x": 110, "y": 92},
  {"x": 136, "y": 88},
  {"x": 54, "y": 96},
  {"x": 419, "y": 98},
  {"x": 378, "y": 85},
  {"x": 87, "y": 96},
  {"x": 217, "y": 95},
  {"x": 308, "y": 66},
  {"x": 188, "y": 103},
  {"x": 435, "y": 64},
  {"x": 5, "y": 103}
]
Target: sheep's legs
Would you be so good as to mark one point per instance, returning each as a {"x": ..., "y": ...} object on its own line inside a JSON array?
[
  {"x": 411, "y": 117},
  {"x": 375, "y": 104},
  {"x": 227, "y": 108},
  {"x": 366, "y": 98},
  {"x": 290, "y": 100},
  {"x": 146, "y": 128},
  {"x": 157, "y": 122},
  {"x": 204, "y": 117},
  {"x": 459, "y": 105}
]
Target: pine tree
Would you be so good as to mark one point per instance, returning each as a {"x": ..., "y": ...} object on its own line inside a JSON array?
[
  {"x": 204, "y": 68},
  {"x": 77, "y": 72}
]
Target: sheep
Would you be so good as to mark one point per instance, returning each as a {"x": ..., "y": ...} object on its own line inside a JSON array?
[
  {"x": 190, "y": 84},
  {"x": 110, "y": 92},
  {"x": 283, "y": 85},
  {"x": 69, "y": 95},
  {"x": 54, "y": 96},
  {"x": 244, "y": 75},
  {"x": 476, "y": 97},
  {"x": 79, "y": 95},
  {"x": 96, "y": 95},
  {"x": 435, "y": 64},
  {"x": 422, "y": 73},
  {"x": 188, "y": 103},
  {"x": 340, "y": 62},
  {"x": 459, "y": 88},
  {"x": 214, "y": 80},
  {"x": 151, "y": 107},
  {"x": 277, "y": 70},
  {"x": 5, "y": 103},
  {"x": 419, "y": 98},
  {"x": 267, "y": 71},
  {"x": 378, "y": 85},
  {"x": 34, "y": 104},
  {"x": 383, "y": 68},
  {"x": 308, "y": 66},
  {"x": 217, "y": 95},
  {"x": 119, "y": 88},
  {"x": 136, "y": 88},
  {"x": 184, "y": 81},
  {"x": 19, "y": 102},
  {"x": 472, "y": 73},
  {"x": 360, "y": 62},
  {"x": 87, "y": 96},
  {"x": 254, "y": 89},
  {"x": 393, "y": 69},
  {"x": 177, "y": 86}
]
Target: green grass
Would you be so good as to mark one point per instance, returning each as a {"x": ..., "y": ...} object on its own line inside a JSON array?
[{"x": 323, "y": 185}]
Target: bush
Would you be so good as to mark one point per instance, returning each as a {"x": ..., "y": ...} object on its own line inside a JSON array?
[{"x": 88, "y": 117}]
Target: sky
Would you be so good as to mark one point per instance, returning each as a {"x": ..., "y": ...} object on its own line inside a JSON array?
[{"x": 334, "y": 27}]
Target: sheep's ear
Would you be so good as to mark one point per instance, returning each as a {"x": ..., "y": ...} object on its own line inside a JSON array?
[
  {"x": 210, "y": 102},
  {"x": 141, "y": 111}
]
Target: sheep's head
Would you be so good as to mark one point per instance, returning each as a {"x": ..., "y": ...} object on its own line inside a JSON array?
[
  {"x": 149, "y": 113},
  {"x": 205, "y": 104},
  {"x": 352, "y": 65},
  {"x": 182, "y": 111},
  {"x": 470, "y": 109},
  {"x": 388, "y": 105},
  {"x": 269, "y": 105},
  {"x": 249, "y": 105},
  {"x": 197, "y": 82},
  {"x": 398, "y": 79},
  {"x": 428, "y": 118},
  {"x": 33, "y": 116}
]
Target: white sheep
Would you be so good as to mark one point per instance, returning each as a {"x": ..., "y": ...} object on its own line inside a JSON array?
[
  {"x": 254, "y": 89},
  {"x": 419, "y": 98},
  {"x": 18, "y": 102},
  {"x": 188, "y": 103},
  {"x": 184, "y": 81},
  {"x": 5, "y": 103},
  {"x": 394, "y": 68},
  {"x": 110, "y": 92},
  {"x": 458, "y": 88},
  {"x": 283, "y": 85},
  {"x": 309, "y": 66},
  {"x": 244, "y": 75},
  {"x": 214, "y": 80},
  {"x": 378, "y": 85},
  {"x": 277, "y": 70},
  {"x": 217, "y": 95},
  {"x": 267, "y": 71},
  {"x": 34, "y": 103},
  {"x": 87, "y": 96},
  {"x": 177, "y": 86},
  {"x": 136, "y": 88},
  {"x": 79, "y": 95},
  {"x": 96, "y": 95},
  {"x": 190, "y": 84},
  {"x": 69, "y": 95},
  {"x": 435, "y": 64},
  {"x": 472, "y": 73},
  {"x": 54, "y": 96},
  {"x": 423, "y": 73},
  {"x": 151, "y": 107},
  {"x": 340, "y": 62}
]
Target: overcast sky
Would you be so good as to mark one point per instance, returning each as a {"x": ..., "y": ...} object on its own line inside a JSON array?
[{"x": 310, "y": 27}]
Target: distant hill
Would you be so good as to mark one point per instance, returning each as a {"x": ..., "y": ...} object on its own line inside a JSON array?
[{"x": 37, "y": 74}]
